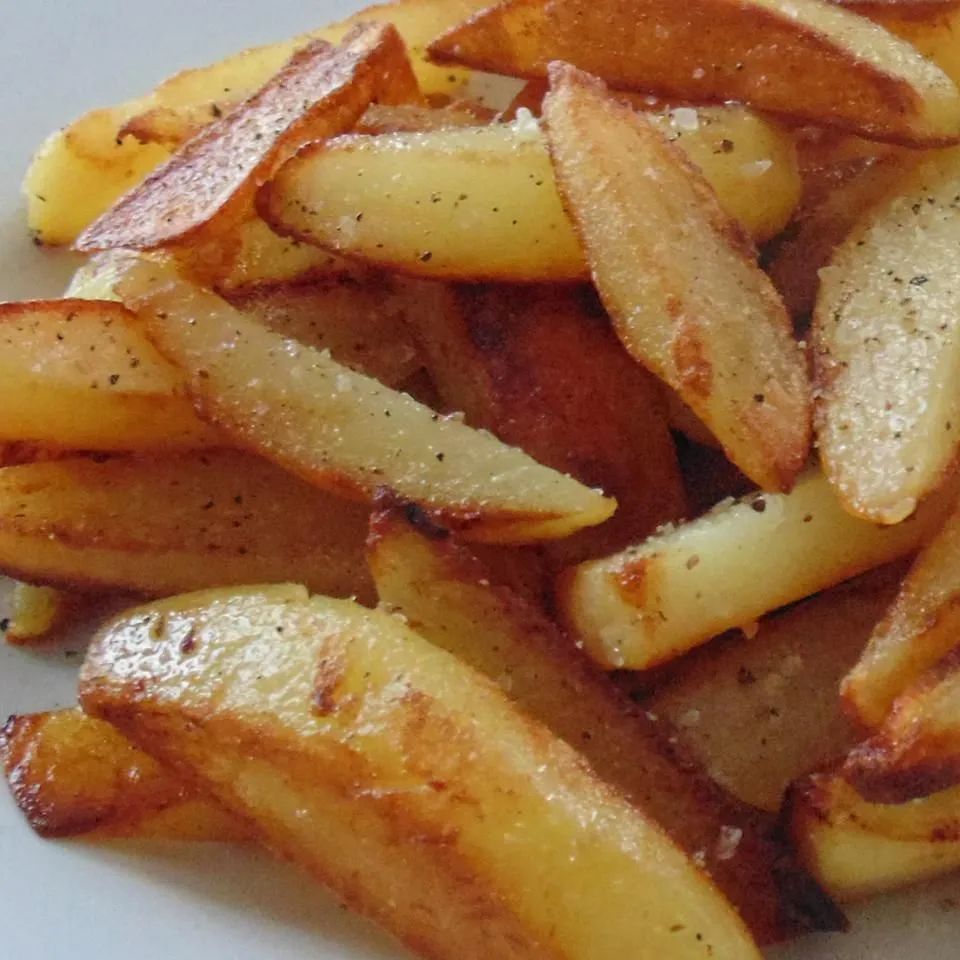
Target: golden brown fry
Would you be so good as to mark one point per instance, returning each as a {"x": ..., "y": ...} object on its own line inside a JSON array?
[
  {"x": 678, "y": 279},
  {"x": 158, "y": 527},
  {"x": 74, "y": 776},
  {"x": 446, "y": 595},
  {"x": 344, "y": 431},
  {"x": 800, "y": 58},
  {"x": 318, "y": 94},
  {"x": 361, "y": 733}
]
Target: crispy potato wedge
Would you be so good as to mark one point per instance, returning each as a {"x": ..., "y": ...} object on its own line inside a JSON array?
[
  {"x": 920, "y": 628},
  {"x": 73, "y": 776},
  {"x": 446, "y": 596},
  {"x": 344, "y": 431},
  {"x": 158, "y": 527},
  {"x": 214, "y": 176},
  {"x": 377, "y": 734},
  {"x": 790, "y": 57},
  {"x": 917, "y": 750},
  {"x": 858, "y": 849},
  {"x": 678, "y": 589},
  {"x": 760, "y": 711},
  {"x": 541, "y": 369},
  {"x": 79, "y": 374},
  {"x": 678, "y": 279},
  {"x": 887, "y": 348},
  {"x": 40, "y": 614}
]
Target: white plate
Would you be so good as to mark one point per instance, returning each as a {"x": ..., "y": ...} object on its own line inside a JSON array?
[{"x": 73, "y": 900}]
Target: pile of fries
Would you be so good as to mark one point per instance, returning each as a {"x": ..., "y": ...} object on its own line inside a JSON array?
[{"x": 533, "y": 428}]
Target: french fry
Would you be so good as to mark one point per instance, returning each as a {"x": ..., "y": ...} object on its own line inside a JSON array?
[
  {"x": 446, "y": 596},
  {"x": 73, "y": 776},
  {"x": 791, "y": 58},
  {"x": 344, "y": 431},
  {"x": 701, "y": 315},
  {"x": 886, "y": 344},
  {"x": 211, "y": 181},
  {"x": 760, "y": 711},
  {"x": 858, "y": 849},
  {"x": 541, "y": 369},
  {"x": 158, "y": 527},
  {"x": 652, "y": 602},
  {"x": 335, "y": 729}
]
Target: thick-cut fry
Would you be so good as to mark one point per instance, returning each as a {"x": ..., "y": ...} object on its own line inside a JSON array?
[
  {"x": 761, "y": 711},
  {"x": 857, "y": 849},
  {"x": 887, "y": 348},
  {"x": 802, "y": 58},
  {"x": 73, "y": 776},
  {"x": 445, "y": 594},
  {"x": 678, "y": 278},
  {"x": 921, "y": 627},
  {"x": 319, "y": 93},
  {"x": 159, "y": 527},
  {"x": 652, "y": 602},
  {"x": 80, "y": 375},
  {"x": 337, "y": 730},
  {"x": 344, "y": 431},
  {"x": 541, "y": 369},
  {"x": 917, "y": 750}
]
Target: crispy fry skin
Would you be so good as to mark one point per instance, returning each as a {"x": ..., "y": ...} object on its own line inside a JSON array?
[
  {"x": 808, "y": 60},
  {"x": 211, "y": 181},
  {"x": 697, "y": 312},
  {"x": 446, "y": 595},
  {"x": 346, "y": 432},
  {"x": 338, "y": 731}
]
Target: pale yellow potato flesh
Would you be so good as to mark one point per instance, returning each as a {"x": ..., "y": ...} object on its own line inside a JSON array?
[
  {"x": 37, "y": 613},
  {"x": 805, "y": 59},
  {"x": 344, "y": 431},
  {"x": 726, "y": 569},
  {"x": 679, "y": 280},
  {"x": 858, "y": 849},
  {"x": 162, "y": 526},
  {"x": 446, "y": 595},
  {"x": 887, "y": 348},
  {"x": 919, "y": 629},
  {"x": 333, "y": 728}
]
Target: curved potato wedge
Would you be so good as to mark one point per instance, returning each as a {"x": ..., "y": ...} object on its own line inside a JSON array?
[
  {"x": 679, "y": 279},
  {"x": 446, "y": 596},
  {"x": 74, "y": 776},
  {"x": 158, "y": 527},
  {"x": 805, "y": 59},
  {"x": 858, "y": 849},
  {"x": 344, "y": 431},
  {"x": 920, "y": 628},
  {"x": 360, "y": 732},
  {"x": 214, "y": 176},
  {"x": 678, "y": 589},
  {"x": 887, "y": 348}
]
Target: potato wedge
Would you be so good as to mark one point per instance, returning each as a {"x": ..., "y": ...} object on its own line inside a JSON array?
[
  {"x": 917, "y": 750},
  {"x": 858, "y": 849},
  {"x": 541, "y": 369},
  {"x": 760, "y": 711},
  {"x": 678, "y": 279},
  {"x": 887, "y": 348},
  {"x": 367, "y": 728},
  {"x": 73, "y": 776},
  {"x": 790, "y": 57},
  {"x": 446, "y": 596},
  {"x": 652, "y": 602},
  {"x": 930, "y": 28},
  {"x": 344, "y": 431},
  {"x": 158, "y": 527},
  {"x": 920, "y": 628},
  {"x": 80, "y": 375},
  {"x": 214, "y": 176}
]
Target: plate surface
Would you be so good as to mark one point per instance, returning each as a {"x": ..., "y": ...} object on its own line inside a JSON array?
[{"x": 78, "y": 901}]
